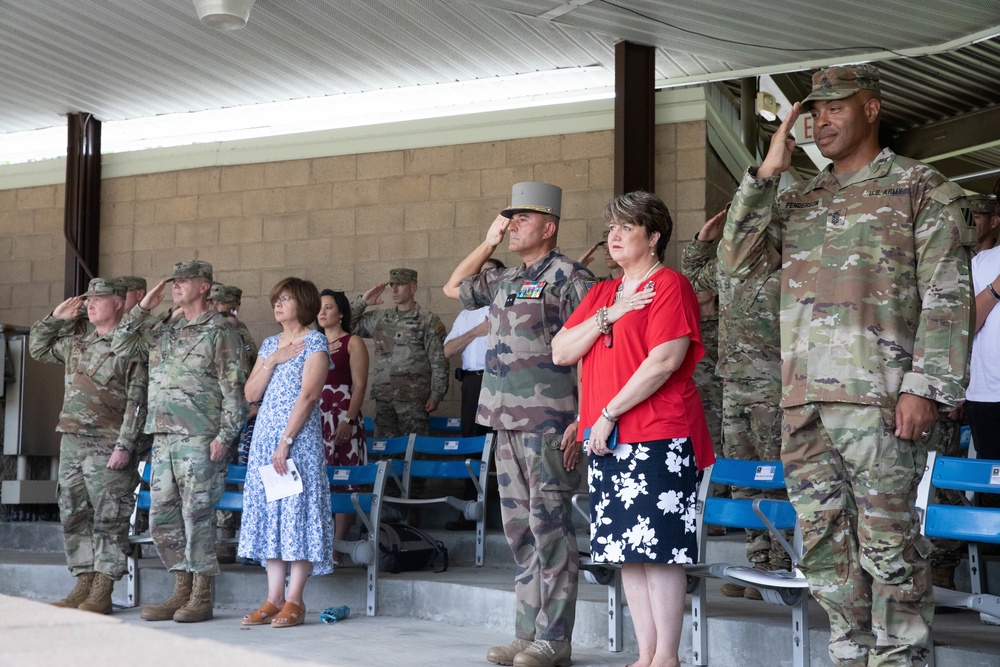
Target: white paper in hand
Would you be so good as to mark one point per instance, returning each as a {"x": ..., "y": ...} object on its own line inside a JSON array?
[{"x": 278, "y": 486}]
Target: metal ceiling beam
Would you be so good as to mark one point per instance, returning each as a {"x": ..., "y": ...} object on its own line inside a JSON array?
[
  {"x": 968, "y": 173},
  {"x": 963, "y": 134}
]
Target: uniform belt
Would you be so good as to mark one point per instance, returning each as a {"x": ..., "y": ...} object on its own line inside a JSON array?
[{"x": 460, "y": 373}]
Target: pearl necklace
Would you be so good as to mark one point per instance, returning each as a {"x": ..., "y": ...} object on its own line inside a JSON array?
[{"x": 650, "y": 272}]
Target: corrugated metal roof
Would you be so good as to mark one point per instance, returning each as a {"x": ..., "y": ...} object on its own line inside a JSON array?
[{"x": 121, "y": 59}]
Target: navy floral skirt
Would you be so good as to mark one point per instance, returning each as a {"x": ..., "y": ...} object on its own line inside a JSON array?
[{"x": 642, "y": 503}]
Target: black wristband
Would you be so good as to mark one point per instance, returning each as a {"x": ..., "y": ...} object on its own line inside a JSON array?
[{"x": 996, "y": 296}]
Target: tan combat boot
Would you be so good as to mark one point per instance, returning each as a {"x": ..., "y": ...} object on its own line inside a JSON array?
[
  {"x": 99, "y": 600},
  {"x": 199, "y": 606},
  {"x": 76, "y": 597},
  {"x": 504, "y": 655},
  {"x": 544, "y": 653},
  {"x": 165, "y": 610}
]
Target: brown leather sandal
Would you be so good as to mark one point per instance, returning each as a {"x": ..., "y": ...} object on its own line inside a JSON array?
[
  {"x": 291, "y": 614},
  {"x": 262, "y": 616}
]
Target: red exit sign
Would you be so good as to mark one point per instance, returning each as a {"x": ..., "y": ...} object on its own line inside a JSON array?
[{"x": 803, "y": 130}]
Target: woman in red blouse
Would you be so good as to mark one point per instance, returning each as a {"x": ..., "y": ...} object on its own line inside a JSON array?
[{"x": 638, "y": 340}]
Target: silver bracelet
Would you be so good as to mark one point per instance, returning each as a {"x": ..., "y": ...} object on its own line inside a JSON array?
[
  {"x": 607, "y": 415},
  {"x": 996, "y": 296}
]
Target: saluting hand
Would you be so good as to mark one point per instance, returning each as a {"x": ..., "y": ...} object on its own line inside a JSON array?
[
  {"x": 779, "y": 154},
  {"x": 154, "y": 297},
  {"x": 713, "y": 226},
  {"x": 497, "y": 230},
  {"x": 373, "y": 297},
  {"x": 68, "y": 309}
]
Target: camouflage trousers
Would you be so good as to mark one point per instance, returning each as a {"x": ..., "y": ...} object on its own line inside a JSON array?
[
  {"x": 854, "y": 485},
  {"x": 944, "y": 439},
  {"x": 396, "y": 418},
  {"x": 751, "y": 426},
  {"x": 535, "y": 495},
  {"x": 185, "y": 487},
  {"x": 95, "y": 503}
]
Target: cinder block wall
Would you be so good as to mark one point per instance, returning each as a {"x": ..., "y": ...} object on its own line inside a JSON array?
[{"x": 342, "y": 222}]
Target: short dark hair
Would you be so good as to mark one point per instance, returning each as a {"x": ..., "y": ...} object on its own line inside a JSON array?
[
  {"x": 305, "y": 294},
  {"x": 343, "y": 305},
  {"x": 646, "y": 210}
]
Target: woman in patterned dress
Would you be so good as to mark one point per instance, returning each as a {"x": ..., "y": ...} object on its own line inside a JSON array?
[
  {"x": 294, "y": 535},
  {"x": 638, "y": 339},
  {"x": 343, "y": 394}
]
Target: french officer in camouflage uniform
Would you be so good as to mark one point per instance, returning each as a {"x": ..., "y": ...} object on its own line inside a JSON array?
[
  {"x": 750, "y": 367},
  {"x": 411, "y": 371},
  {"x": 196, "y": 408},
  {"x": 99, "y": 451},
  {"x": 875, "y": 307},
  {"x": 532, "y": 404}
]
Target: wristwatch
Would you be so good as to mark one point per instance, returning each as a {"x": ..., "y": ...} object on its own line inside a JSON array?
[
  {"x": 353, "y": 422},
  {"x": 287, "y": 440}
]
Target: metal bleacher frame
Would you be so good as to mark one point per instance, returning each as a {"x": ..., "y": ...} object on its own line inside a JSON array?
[
  {"x": 462, "y": 466},
  {"x": 778, "y": 587}
]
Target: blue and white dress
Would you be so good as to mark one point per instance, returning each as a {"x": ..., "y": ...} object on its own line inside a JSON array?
[{"x": 299, "y": 527}]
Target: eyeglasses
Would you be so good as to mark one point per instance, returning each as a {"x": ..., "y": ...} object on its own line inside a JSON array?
[{"x": 284, "y": 298}]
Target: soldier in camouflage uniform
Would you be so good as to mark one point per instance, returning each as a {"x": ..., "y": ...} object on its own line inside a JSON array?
[
  {"x": 99, "y": 452},
  {"x": 706, "y": 377},
  {"x": 227, "y": 299},
  {"x": 750, "y": 367},
  {"x": 411, "y": 371},
  {"x": 532, "y": 404},
  {"x": 875, "y": 308},
  {"x": 196, "y": 409}
]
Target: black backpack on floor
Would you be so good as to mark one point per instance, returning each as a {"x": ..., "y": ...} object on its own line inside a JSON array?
[{"x": 403, "y": 548}]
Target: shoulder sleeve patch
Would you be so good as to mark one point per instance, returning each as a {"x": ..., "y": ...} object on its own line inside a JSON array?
[{"x": 947, "y": 192}]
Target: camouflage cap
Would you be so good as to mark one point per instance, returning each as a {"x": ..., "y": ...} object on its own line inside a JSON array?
[
  {"x": 533, "y": 196},
  {"x": 104, "y": 287},
  {"x": 402, "y": 276},
  {"x": 225, "y": 293},
  {"x": 982, "y": 203},
  {"x": 836, "y": 83},
  {"x": 132, "y": 282},
  {"x": 193, "y": 268}
]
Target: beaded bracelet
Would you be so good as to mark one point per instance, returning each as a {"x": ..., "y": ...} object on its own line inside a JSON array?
[{"x": 601, "y": 319}]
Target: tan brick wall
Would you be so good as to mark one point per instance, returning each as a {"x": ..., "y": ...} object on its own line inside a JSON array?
[{"x": 340, "y": 221}]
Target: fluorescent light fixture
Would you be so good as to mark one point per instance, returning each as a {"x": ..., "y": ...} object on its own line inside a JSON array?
[
  {"x": 224, "y": 14},
  {"x": 560, "y": 86}
]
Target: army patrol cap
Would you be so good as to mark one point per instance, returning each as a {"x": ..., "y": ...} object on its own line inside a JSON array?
[
  {"x": 194, "y": 268},
  {"x": 104, "y": 287},
  {"x": 402, "y": 276},
  {"x": 536, "y": 197},
  {"x": 836, "y": 83},
  {"x": 132, "y": 282},
  {"x": 983, "y": 204},
  {"x": 225, "y": 293}
]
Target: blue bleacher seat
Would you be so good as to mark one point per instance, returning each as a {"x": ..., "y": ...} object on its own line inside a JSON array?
[
  {"x": 469, "y": 459},
  {"x": 788, "y": 588},
  {"x": 973, "y": 525}
]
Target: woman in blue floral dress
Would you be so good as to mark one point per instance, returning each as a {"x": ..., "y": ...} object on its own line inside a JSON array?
[{"x": 293, "y": 535}]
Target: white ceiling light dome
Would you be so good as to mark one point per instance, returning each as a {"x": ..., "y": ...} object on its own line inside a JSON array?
[{"x": 224, "y": 14}]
